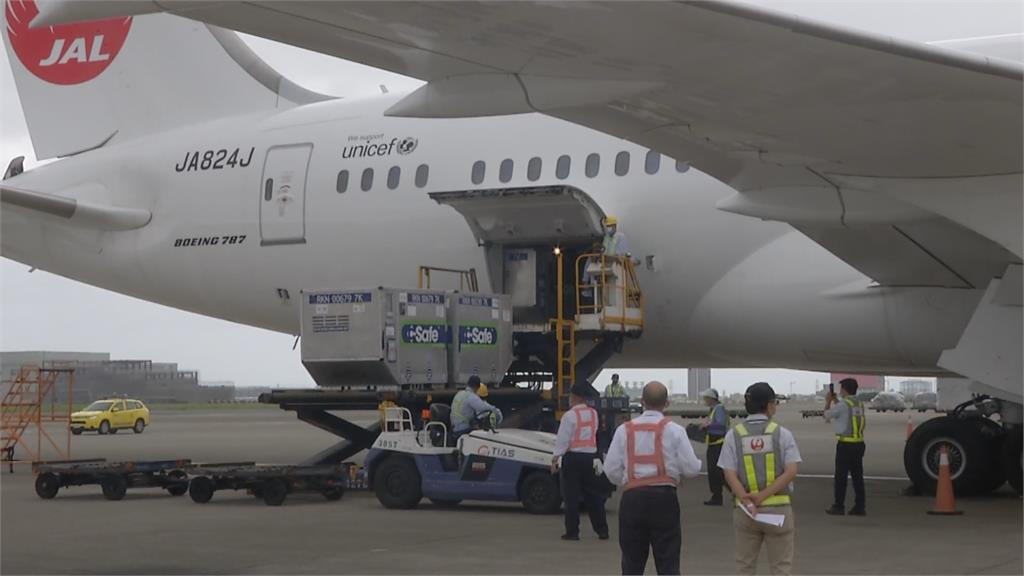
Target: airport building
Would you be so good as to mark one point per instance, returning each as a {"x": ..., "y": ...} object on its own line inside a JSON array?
[
  {"x": 910, "y": 388},
  {"x": 697, "y": 380},
  {"x": 96, "y": 376}
]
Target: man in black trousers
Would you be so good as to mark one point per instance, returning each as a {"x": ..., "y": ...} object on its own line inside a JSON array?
[
  {"x": 647, "y": 457},
  {"x": 576, "y": 456},
  {"x": 848, "y": 418}
]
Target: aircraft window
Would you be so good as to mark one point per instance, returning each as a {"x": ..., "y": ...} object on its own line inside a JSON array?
[
  {"x": 342, "y": 182},
  {"x": 682, "y": 166},
  {"x": 505, "y": 170},
  {"x": 421, "y": 175},
  {"x": 394, "y": 176},
  {"x": 653, "y": 162},
  {"x": 533, "y": 169},
  {"x": 593, "y": 165},
  {"x": 622, "y": 163},
  {"x": 367, "y": 181},
  {"x": 477, "y": 176},
  {"x": 562, "y": 167}
]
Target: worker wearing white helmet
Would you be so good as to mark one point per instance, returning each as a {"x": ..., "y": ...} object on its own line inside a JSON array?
[{"x": 715, "y": 426}]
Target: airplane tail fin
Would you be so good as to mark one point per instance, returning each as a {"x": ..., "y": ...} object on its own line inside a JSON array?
[{"x": 85, "y": 84}]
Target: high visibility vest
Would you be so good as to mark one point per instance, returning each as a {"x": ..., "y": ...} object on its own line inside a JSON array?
[
  {"x": 657, "y": 458},
  {"x": 854, "y": 431},
  {"x": 614, "y": 390},
  {"x": 758, "y": 444},
  {"x": 585, "y": 435},
  {"x": 718, "y": 440}
]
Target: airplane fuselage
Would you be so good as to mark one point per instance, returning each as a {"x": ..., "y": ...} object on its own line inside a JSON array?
[{"x": 349, "y": 208}]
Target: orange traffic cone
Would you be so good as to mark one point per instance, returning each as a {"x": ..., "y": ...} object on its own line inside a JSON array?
[
  {"x": 944, "y": 502},
  {"x": 910, "y": 427}
]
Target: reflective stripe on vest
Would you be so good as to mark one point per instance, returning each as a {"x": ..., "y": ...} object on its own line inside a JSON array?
[
  {"x": 657, "y": 458},
  {"x": 585, "y": 435},
  {"x": 758, "y": 444},
  {"x": 711, "y": 417},
  {"x": 854, "y": 431}
]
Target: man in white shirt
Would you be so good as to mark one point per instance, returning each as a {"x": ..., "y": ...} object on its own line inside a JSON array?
[
  {"x": 648, "y": 456},
  {"x": 576, "y": 456}
]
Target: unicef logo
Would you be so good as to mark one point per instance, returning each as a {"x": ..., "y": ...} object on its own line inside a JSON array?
[
  {"x": 478, "y": 336},
  {"x": 423, "y": 334},
  {"x": 407, "y": 145}
]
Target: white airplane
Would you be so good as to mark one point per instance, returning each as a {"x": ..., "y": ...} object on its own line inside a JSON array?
[{"x": 841, "y": 201}]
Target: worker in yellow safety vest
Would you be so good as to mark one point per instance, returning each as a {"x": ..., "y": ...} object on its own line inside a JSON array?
[
  {"x": 760, "y": 459},
  {"x": 715, "y": 426},
  {"x": 847, "y": 417}
]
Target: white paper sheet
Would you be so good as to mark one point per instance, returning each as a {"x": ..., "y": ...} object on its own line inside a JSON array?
[{"x": 771, "y": 519}]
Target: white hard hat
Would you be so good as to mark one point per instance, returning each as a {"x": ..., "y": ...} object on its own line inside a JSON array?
[{"x": 709, "y": 393}]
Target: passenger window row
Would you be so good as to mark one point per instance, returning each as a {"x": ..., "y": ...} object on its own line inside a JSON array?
[
  {"x": 394, "y": 178},
  {"x": 563, "y": 167}
]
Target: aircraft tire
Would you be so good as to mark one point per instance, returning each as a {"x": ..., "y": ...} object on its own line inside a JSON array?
[{"x": 972, "y": 462}]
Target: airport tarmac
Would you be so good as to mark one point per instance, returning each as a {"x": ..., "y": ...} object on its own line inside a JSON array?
[{"x": 152, "y": 532}]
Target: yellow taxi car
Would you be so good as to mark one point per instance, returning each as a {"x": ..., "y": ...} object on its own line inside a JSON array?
[{"x": 109, "y": 416}]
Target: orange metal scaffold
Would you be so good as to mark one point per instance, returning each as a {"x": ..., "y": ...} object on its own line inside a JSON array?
[{"x": 22, "y": 409}]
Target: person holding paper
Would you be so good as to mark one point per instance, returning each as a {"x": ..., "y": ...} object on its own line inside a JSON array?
[{"x": 762, "y": 485}]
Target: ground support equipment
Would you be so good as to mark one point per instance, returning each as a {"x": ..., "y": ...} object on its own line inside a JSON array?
[
  {"x": 271, "y": 483},
  {"x": 114, "y": 477}
]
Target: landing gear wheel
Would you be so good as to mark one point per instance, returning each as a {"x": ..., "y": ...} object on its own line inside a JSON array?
[
  {"x": 179, "y": 488},
  {"x": 540, "y": 493},
  {"x": 970, "y": 461},
  {"x": 275, "y": 491},
  {"x": 140, "y": 425},
  {"x": 1012, "y": 458},
  {"x": 201, "y": 489},
  {"x": 333, "y": 494},
  {"x": 47, "y": 485},
  {"x": 995, "y": 436},
  {"x": 104, "y": 427},
  {"x": 114, "y": 487},
  {"x": 442, "y": 503},
  {"x": 397, "y": 483}
]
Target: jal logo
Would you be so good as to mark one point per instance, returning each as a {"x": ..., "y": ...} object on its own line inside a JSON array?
[
  {"x": 757, "y": 444},
  {"x": 66, "y": 54},
  {"x": 478, "y": 336},
  {"x": 423, "y": 334}
]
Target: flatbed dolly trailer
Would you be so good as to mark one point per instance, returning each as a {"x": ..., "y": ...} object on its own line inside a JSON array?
[
  {"x": 113, "y": 477},
  {"x": 272, "y": 483}
]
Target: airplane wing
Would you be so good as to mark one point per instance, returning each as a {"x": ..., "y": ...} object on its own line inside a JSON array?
[
  {"x": 901, "y": 158},
  {"x": 86, "y": 214}
]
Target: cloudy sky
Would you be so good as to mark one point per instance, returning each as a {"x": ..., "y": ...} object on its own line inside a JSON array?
[{"x": 40, "y": 311}]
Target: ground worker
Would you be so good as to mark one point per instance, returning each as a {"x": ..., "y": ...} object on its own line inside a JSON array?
[
  {"x": 762, "y": 484},
  {"x": 848, "y": 420},
  {"x": 468, "y": 407},
  {"x": 614, "y": 242},
  {"x": 715, "y": 426},
  {"x": 577, "y": 458},
  {"x": 615, "y": 389},
  {"x": 648, "y": 456}
]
